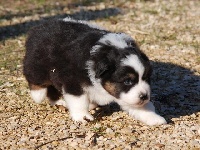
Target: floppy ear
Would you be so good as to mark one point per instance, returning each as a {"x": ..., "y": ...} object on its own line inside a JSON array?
[{"x": 101, "y": 67}]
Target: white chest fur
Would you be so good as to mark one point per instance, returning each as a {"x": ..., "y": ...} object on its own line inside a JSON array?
[
  {"x": 96, "y": 93},
  {"x": 99, "y": 95}
]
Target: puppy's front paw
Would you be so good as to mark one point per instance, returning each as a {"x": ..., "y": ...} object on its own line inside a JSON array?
[
  {"x": 92, "y": 106},
  {"x": 59, "y": 102},
  {"x": 82, "y": 117},
  {"x": 154, "y": 119}
]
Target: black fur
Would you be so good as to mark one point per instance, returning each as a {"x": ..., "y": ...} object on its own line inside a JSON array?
[{"x": 56, "y": 51}]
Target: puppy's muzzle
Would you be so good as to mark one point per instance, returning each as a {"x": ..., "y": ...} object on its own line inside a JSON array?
[{"x": 143, "y": 96}]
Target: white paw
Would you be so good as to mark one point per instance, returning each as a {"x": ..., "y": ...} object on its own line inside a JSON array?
[
  {"x": 60, "y": 102},
  {"x": 92, "y": 106},
  {"x": 154, "y": 119},
  {"x": 82, "y": 117}
]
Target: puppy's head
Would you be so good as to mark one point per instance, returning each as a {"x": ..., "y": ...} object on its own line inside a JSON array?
[{"x": 122, "y": 69}]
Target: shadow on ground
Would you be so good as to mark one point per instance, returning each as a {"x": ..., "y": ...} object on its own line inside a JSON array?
[
  {"x": 21, "y": 28},
  {"x": 175, "y": 92}
]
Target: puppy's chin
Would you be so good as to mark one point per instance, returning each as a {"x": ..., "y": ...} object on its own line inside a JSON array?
[
  {"x": 134, "y": 105},
  {"x": 140, "y": 104}
]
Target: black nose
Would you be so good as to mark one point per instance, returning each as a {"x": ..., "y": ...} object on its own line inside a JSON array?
[{"x": 143, "y": 96}]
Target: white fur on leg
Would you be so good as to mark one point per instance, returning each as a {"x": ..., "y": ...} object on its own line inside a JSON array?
[
  {"x": 146, "y": 114},
  {"x": 78, "y": 107},
  {"x": 92, "y": 106},
  {"x": 60, "y": 102},
  {"x": 38, "y": 95}
]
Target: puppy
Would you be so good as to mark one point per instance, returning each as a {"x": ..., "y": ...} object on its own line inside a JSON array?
[{"x": 88, "y": 66}]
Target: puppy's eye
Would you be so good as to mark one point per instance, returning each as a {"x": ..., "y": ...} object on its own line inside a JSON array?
[{"x": 128, "y": 82}]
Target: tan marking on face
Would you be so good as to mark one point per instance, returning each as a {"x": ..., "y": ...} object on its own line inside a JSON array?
[{"x": 110, "y": 88}]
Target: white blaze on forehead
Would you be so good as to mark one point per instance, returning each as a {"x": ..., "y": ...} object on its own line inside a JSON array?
[
  {"x": 134, "y": 62},
  {"x": 118, "y": 40}
]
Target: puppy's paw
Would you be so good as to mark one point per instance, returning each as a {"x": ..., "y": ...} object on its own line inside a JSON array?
[
  {"x": 59, "y": 102},
  {"x": 154, "y": 119},
  {"x": 92, "y": 106},
  {"x": 82, "y": 117}
]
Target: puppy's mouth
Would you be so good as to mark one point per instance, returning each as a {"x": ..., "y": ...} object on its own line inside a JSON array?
[
  {"x": 136, "y": 105},
  {"x": 141, "y": 103}
]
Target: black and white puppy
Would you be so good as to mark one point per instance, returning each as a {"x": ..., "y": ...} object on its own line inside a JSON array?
[{"x": 88, "y": 66}]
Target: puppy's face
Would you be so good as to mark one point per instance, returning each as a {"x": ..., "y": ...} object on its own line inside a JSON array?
[
  {"x": 125, "y": 74},
  {"x": 130, "y": 82}
]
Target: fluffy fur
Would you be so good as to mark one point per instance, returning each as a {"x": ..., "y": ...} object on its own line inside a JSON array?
[{"x": 88, "y": 66}]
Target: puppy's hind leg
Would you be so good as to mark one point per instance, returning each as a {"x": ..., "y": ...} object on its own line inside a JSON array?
[
  {"x": 78, "y": 107},
  {"x": 55, "y": 96},
  {"x": 92, "y": 106},
  {"x": 38, "y": 93}
]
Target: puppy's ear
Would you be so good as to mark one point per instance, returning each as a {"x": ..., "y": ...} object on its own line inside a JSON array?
[{"x": 101, "y": 68}]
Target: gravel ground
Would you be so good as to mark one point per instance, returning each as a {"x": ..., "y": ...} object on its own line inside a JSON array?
[{"x": 167, "y": 31}]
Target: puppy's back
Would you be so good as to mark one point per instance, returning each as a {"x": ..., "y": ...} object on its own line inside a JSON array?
[{"x": 64, "y": 45}]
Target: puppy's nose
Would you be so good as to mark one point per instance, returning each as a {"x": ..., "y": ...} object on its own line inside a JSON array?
[{"x": 143, "y": 96}]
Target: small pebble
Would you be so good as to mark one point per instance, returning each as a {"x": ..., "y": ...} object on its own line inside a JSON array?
[
  {"x": 199, "y": 131},
  {"x": 109, "y": 130},
  {"x": 73, "y": 127}
]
